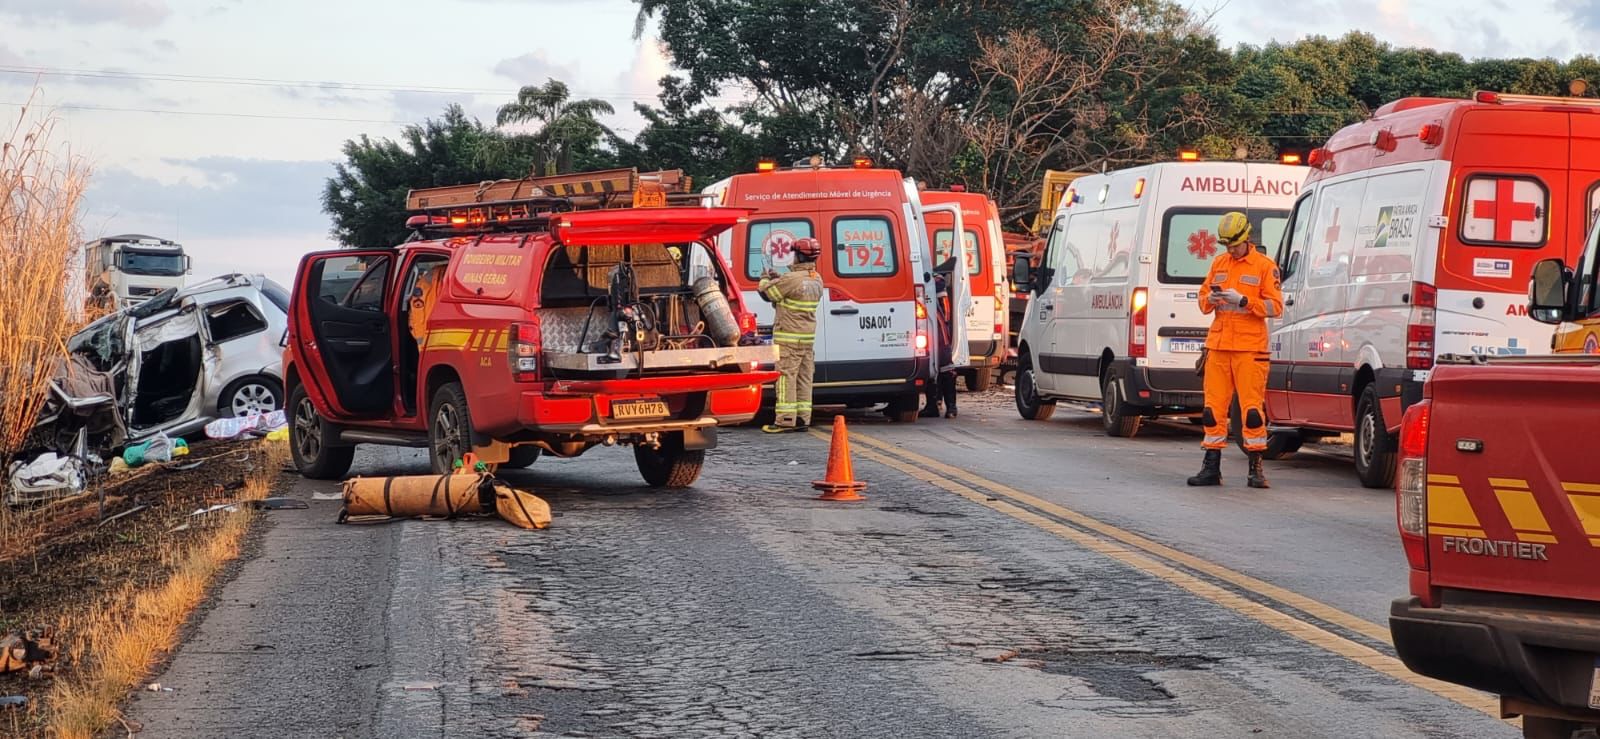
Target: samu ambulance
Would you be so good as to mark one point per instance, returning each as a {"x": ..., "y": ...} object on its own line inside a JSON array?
[
  {"x": 875, "y": 339},
  {"x": 1415, "y": 238},
  {"x": 984, "y": 258},
  {"x": 1114, "y": 313}
]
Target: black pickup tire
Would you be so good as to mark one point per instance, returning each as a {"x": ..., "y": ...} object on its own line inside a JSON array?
[
  {"x": 522, "y": 457},
  {"x": 1029, "y": 405},
  {"x": 1281, "y": 444},
  {"x": 670, "y": 465},
  {"x": 904, "y": 409},
  {"x": 311, "y": 440},
  {"x": 980, "y": 379},
  {"x": 1374, "y": 445}
]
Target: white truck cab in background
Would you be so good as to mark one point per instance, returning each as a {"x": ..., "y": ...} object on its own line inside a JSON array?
[{"x": 131, "y": 268}]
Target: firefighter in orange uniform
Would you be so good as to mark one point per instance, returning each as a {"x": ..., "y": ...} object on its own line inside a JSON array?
[{"x": 1242, "y": 289}]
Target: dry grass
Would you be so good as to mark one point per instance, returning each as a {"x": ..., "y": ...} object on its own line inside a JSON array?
[
  {"x": 40, "y": 190},
  {"x": 120, "y": 642}
]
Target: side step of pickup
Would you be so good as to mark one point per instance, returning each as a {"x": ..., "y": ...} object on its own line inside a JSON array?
[{"x": 391, "y": 438}]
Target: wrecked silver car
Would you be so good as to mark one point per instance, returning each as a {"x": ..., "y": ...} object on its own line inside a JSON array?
[{"x": 172, "y": 364}]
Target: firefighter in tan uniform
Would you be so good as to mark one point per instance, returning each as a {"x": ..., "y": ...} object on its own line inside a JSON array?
[
  {"x": 1242, "y": 289},
  {"x": 795, "y": 295}
]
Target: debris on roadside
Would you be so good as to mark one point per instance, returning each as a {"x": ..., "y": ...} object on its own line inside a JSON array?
[
  {"x": 159, "y": 448},
  {"x": 47, "y": 477},
  {"x": 441, "y": 496},
  {"x": 123, "y": 514},
  {"x": 156, "y": 688},
  {"x": 203, "y": 516},
  {"x": 13, "y": 701},
  {"x": 247, "y": 427},
  {"x": 26, "y": 650},
  {"x": 277, "y": 503}
]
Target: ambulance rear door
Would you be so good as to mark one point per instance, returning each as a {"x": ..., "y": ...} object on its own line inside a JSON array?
[
  {"x": 1511, "y": 209},
  {"x": 867, "y": 322}
]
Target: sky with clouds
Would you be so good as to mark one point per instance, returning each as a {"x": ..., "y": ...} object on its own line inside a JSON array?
[{"x": 212, "y": 121}]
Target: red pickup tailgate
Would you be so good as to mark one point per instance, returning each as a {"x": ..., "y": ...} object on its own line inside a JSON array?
[{"x": 1513, "y": 469}]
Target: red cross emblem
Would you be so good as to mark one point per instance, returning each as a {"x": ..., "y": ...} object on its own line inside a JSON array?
[
  {"x": 1505, "y": 210},
  {"x": 1202, "y": 244},
  {"x": 1331, "y": 236}
]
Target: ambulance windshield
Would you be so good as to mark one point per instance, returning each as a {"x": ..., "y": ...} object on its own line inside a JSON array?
[{"x": 1189, "y": 240}]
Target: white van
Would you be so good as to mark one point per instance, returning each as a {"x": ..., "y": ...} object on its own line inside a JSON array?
[
  {"x": 875, "y": 342},
  {"x": 1113, "y": 313}
]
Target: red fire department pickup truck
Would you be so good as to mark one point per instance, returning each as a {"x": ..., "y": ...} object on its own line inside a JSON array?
[
  {"x": 1498, "y": 502},
  {"x": 513, "y": 323}
]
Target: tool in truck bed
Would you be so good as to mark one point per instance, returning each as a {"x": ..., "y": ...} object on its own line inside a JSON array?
[{"x": 539, "y": 316}]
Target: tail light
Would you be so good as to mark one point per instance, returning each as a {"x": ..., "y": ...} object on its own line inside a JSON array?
[
  {"x": 1419, "y": 328},
  {"x": 1138, "y": 320},
  {"x": 921, "y": 340},
  {"x": 747, "y": 324},
  {"x": 1000, "y": 311},
  {"x": 523, "y": 351},
  {"x": 1411, "y": 485}
]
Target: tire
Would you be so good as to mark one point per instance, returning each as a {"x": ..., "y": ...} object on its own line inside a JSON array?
[
  {"x": 1539, "y": 727},
  {"x": 247, "y": 395},
  {"x": 1375, "y": 447},
  {"x": 1029, "y": 405},
  {"x": 522, "y": 457},
  {"x": 904, "y": 409},
  {"x": 308, "y": 434},
  {"x": 981, "y": 380},
  {"x": 670, "y": 466},
  {"x": 1115, "y": 416},
  {"x": 1281, "y": 444},
  {"x": 449, "y": 428}
]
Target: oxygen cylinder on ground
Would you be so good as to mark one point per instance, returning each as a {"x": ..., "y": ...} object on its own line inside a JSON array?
[{"x": 721, "y": 325}]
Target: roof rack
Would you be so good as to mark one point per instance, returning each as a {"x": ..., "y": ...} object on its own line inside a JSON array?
[
  {"x": 610, "y": 188},
  {"x": 531, "y": 201}
]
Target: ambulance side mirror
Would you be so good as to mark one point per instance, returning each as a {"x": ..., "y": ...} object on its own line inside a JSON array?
[
  {"x": 1549, "y": 291},
  {"x": 1292, "y": 266},
  {"x": 1022, "y": 274}
]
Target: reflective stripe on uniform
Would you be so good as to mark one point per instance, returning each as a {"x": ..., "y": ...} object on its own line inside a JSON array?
[
  {"x": 792, "y": 337},
  {"x": 1218, "y": 441},
  {"x": 1273, "y": 309},
  {"x": 799, "y": 306}
]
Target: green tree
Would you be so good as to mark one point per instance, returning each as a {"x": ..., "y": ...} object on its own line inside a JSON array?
[
  {"x": 366, "y": 196},
  {"x": 566, "y": 127}
]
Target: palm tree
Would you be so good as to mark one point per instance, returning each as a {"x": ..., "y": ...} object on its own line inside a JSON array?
[{"x": 564, "y": 124}]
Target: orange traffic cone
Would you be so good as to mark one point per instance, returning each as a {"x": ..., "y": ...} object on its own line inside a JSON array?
[{"x": 840, "y": 482}]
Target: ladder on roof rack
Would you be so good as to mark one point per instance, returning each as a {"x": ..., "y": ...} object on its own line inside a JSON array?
[{"x": 611, "y": 188}]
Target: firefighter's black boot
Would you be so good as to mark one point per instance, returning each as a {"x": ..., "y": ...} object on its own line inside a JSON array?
[
  {"x": 1210, "y": 471},
  {"x": 1258, "y": 475}
]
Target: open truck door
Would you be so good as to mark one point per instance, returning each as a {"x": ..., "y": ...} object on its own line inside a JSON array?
[{"x": 340, "y": 317}]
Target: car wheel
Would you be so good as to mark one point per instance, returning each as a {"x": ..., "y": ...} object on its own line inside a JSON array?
[
  {"x": 980, "y": 380},
  {"x": 904, "y": 409},
  {"x": 310, "y": 441},
  {"x": 1115, "y": 415},
  {"x": 249, "y": 396},
  {"x": 670, "y": 465},
  {"x": 449, "y": 428},
  {"x": 1029, "y": 405},
  {"x": 522, "y": 457},
  {"x": 1375, "y": 448},
  {"x": 1281, "y": 444}
]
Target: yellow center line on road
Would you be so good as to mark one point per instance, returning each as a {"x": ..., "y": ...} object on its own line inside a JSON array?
[{"x": 1115, "y": 543}]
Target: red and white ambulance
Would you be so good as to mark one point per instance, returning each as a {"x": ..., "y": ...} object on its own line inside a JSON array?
[
  {"x": 875, "y": 342},
  {"x": 1414, "y": 239},
  {"x": 985, "y": 259}
]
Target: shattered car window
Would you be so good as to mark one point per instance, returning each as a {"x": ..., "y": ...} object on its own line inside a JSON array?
[
  {"x": 101, "y": 342},
  {"x": 229, "y": 321}
]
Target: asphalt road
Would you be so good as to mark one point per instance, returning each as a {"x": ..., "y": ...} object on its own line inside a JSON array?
[{"x": 1005, "y": 578}]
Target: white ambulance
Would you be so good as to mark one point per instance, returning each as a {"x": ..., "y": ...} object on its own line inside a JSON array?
[
  {"x": 875, "y": 342},
  {"x": 1415, "y": 238},
  {"x": 1113, "y": 312}
]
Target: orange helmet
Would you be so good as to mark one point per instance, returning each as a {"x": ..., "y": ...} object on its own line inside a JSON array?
[{"x": 808, "y": 248}]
